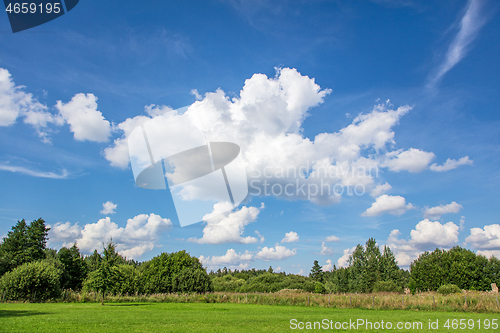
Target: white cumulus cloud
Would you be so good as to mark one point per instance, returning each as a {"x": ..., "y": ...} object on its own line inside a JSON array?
[
  {"x": 451, "y": 164},
  {"x": 328, "y": 267},
  {"x": 343, "y": 261},
  {"x": 426, "y": 236},
  {"x": 275, "y": 253},
  {"x": 15, "y": 103},
  {"x": 380, "y": 189},
  {"x": 325, "y": 250},
  {"x": 332, "y": 238},
  {"x": 231, "y": 260},
  {"x": 226, "y": 226},
  {"x": 290, "y": 237},
  {"x": 108, "y": 208},
  {"x": 411, "y": 160},
  {"x": 265, "y": 119},
  {"x": 435, "y": 213},
  {"x": 388, "y": 204},
  {"x": 487, "y": 238},
  {"x": 140, "y": 234},
  {"x": 85, "y": 121}
]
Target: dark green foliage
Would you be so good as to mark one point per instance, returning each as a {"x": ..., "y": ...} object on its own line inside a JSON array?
[
  {"x": 319, "y": 288},
  {"x": 74, "y": 268},
  {"x": 316, "y": 272},
  {"x": 121, "y": 279},
  {"x": 158, "y": 273},
  {"x": 389, "y": 286},
  {"x": 107, "y": 276},
  {"x": 93, "y": 261},
  {"x": 457, "y": 266},
  {"x": 192, "y": 280},
  {"x": 228, "y": 283},
  {"x": 273, "y": 282},
  {"x": 447, "y": 289},
  {"x": 38, "y": 280},
  {"x": 367, "y": 267},
  {"x": 23, "y": 244}
]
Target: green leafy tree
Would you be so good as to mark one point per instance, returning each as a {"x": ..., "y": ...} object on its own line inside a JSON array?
[
  {"x": 37, "y": 280},
  {"x": 23, "y": 244},
  {"x": 316, "y": 272},
  {"x": 357, "y": 267},
  {"x": 371, "y": 270},
  {"x": 457, "y": 266},
  {"x": 74, "y": 268},
  {"x": 192, "y": 280},
  {"x": 93, "y": 261},
  {"x": 158, "y": 273}
]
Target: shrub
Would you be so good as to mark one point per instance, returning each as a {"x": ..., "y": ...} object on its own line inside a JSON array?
[
  {"x": 192, "y": 280},
  {"x": 227, "y": 283},
  {"x": 388, "y": 285},
  {"x": 449, "y": 289},
  {"x": 37, "y": 280},
  {"x": 159, "y": 272},
  {"x": 319, "y": 288}
]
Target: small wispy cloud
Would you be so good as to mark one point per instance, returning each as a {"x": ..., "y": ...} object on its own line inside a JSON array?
[
  {"x": 35, "y": 173},
  {"x": 471, "y": 23}
]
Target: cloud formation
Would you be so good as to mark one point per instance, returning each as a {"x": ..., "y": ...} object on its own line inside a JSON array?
[
  {"x": 332, "y": 238},
  {"x": 231, "y": 260},
  {"x": 85, "y": 121},
  {"x": 426, "y": 236},
  {"x": 451, "y": 164},
  {"x": 290, "y": 237},
  {"x": 226, "y": 226},
  {"x": 470, "y": 24},
  {"x": 275, "y": 253},
  {"x": 140, "y": 234},
  {"x": 15, "y": 103},
  {"x": 266, "y": 119},
  {"x": 328, "y": 267},
  {"x": 35, "y": 173},
  {"x": 434, "y": 213},
  {"x": 325, "y": 250},
  {"x": 487, "y": 238},
  {"x": 108, "y": 208},
  {"x": 388, "y": 204}
]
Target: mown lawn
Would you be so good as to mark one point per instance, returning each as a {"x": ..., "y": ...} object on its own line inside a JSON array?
[{"x": 199, "y": 317}]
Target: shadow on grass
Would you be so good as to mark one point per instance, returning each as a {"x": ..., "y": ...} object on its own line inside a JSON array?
[
  {"x": 125, "y": 304},
  {"x": 16, "y": 313}
]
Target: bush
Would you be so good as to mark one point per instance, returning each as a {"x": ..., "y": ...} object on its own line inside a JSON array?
[
  {"x": 159, "y": 272},
  {"x": 37, "y": 280},
  {"x": 449, "y": 289},
  {"x": 192, "y": 280},
  {"x": 389, "y": 286},
  {"x": 319, "y": 288},
  {"x": 227, "y": 283}
]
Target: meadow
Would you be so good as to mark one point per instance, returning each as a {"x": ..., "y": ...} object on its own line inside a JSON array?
[{"x": 224, "y": 317}]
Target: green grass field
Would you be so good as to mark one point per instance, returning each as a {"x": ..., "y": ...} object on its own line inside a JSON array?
[{"x": 196, "y": 317}]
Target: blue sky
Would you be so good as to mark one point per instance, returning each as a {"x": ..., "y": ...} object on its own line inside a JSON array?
[{"x": 406, "y": 88}]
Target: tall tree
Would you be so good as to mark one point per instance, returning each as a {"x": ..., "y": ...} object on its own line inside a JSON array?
[
  {"x": 74, "y": 268},
  {"x": 23, "y": 244},
  {"x": 316, "y": 272}
]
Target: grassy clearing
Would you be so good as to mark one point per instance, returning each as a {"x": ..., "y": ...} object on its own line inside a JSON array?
[
  {"x": 470, "y": 301},
  {"x": 198, "y": 317}
]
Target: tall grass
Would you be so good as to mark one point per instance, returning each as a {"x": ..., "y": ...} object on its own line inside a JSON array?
[{"x": 470, "y": 301}]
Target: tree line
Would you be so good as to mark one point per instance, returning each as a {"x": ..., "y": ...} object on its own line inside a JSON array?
[{"x": 30, "y": 270}]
